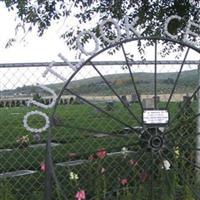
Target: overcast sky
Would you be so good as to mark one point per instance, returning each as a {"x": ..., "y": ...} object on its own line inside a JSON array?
[
  {"x": 46, "y": 48},
  {"x": 35, "y": 48}
]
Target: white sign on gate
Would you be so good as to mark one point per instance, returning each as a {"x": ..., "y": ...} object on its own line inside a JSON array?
[{"x": 155, "y": 117}]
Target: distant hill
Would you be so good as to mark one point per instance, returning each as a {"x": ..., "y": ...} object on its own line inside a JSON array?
[{"x": 121, "y": 83}]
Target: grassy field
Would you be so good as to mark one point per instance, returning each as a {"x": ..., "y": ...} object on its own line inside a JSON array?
[{"x": 75, "y": 130}]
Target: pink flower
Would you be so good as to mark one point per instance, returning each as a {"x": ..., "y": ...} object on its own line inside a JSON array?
[
  {"x": 42, "y": 167},
  {"x": 80, "y": 195},
  {"x": 124, "y": 181},
  {"x": 101, "y": 153}
]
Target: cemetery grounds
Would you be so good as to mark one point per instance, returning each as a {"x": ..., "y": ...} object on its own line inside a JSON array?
[{"x": 111, "y": 164}]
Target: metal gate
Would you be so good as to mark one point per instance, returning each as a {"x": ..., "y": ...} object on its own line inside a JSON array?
[{"x": 116, "y": 132}]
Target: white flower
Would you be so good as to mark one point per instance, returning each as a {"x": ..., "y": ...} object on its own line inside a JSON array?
[
  {"x": 23, "y": 139},
  {"x": 73, "y": 176},
  {"x": 177, "y": 152},
  {"x": 166, "y": 165},
  {"x": 124, "y": 151}
]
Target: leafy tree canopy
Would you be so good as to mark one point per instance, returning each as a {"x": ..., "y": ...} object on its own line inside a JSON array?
[{"x": 152, "y": 14}]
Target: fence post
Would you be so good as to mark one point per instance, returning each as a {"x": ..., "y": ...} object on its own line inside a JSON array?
[
  {"x": 48, "y": 170},
  {"x": 198, "y": 131}
]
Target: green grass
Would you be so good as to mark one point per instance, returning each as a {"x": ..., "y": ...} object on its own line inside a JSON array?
[
  {"x": 78, "y": 141},
  {"x": 72, "y": 140}
]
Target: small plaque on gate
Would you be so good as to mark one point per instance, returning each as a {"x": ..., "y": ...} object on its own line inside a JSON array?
[{"x": 155, "y": 117}]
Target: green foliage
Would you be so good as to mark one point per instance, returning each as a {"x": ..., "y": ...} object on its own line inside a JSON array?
[
  {"x": 152, "y": 15},
  {"x": 5, "y": 190},
  {"x": 167, "y": 185},
  {"x": 37, "y": 195}
]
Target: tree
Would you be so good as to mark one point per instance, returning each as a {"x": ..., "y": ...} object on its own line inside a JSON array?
[{"x": 40, "y": 14}]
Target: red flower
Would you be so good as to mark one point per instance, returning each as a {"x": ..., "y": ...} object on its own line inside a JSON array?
[
  {"x": 124, "y": 181},
  {"x": 133, "y": 162},
  {"x": 42, "y": 167},
  {"x": 101, "y": 153}
]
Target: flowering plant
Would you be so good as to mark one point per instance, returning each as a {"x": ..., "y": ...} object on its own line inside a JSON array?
[
  {"x": 23, "y": 141},
  {"x": 99, "y": 172},
  {"x": 124, "y": 193},
  {"x": 73, "y": 176},
  {"x": 177, "y": 152},
  {"x": 101, "y": 153},
  {"x": 124, "y": 181},
  {"x": 42, "y": 167},
  {"x": 134, "y": 163},
  {"x": 80, "y": 195},
  {"x": 166, "y": 165},
  {"x": 124, "y": 151}
]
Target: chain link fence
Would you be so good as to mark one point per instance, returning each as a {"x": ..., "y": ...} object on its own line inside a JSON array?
[{"x": 104, "y": 138}]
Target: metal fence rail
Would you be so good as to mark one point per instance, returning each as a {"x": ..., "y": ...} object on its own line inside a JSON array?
[{"x": 109, "y": 63}]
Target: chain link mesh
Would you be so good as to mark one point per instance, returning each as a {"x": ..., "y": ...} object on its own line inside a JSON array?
[{"x": 100, "y": 146}]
